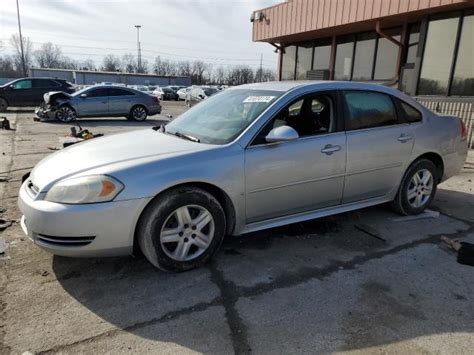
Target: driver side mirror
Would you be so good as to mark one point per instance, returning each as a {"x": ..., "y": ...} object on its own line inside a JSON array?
[
  {"x": 281, "y": 134},
  {"x": 11, "y": 87},
  {"x": 83, "y": 96}
]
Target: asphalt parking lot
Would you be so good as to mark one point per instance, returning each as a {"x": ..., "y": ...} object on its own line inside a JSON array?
[{"x": 359, "y": 282}]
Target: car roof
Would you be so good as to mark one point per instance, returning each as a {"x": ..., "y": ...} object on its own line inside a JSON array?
[{"x": 289, "y": 85}]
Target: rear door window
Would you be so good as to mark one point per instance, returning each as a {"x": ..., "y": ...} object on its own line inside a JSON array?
[
  {"x": 97, "y": 93},
  {"x": 120, "y": 92},
  {"x": 366, "y": 109},
  {"x": 410, "y": 114},
  {"x": 45, "y": 83}
]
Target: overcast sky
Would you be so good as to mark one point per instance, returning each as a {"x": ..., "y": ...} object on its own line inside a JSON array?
[{"x": 215, "y": 31}]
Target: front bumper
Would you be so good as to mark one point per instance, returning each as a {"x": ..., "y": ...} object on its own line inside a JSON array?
[
  {"x": 88, "y": 230},
  {"x": 45, "y": 113}
]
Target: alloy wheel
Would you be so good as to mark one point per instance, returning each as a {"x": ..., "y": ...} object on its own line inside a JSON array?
[
  {"x": 420, "y": 188},
  {"x": 139, "y": 113},
  {"x": 65, "y": 114},
  {"x": 187, "y": 232}
]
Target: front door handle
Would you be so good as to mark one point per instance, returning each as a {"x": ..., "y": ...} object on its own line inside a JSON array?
[
  {"x": 404, "y": 138},
  {"x": 329, "y": 149}
]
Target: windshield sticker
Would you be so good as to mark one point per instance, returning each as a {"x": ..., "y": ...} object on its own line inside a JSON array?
[{"x": 259, "y": 99}]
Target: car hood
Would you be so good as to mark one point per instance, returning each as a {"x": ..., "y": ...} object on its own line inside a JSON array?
[
  {"x": 124, "y": 149},
  {"x": 51, "y": 96}
]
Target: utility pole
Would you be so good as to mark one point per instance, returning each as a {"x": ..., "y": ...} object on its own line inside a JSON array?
[
  {"x": 139, "y": 57},
  {"x": 21, "y": 39},
  {"x": 261, "y": 69}
]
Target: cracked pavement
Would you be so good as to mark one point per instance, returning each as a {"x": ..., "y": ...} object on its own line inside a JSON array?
[{"x": 315, "y": 287}]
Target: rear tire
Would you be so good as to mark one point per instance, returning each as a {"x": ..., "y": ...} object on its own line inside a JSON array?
[
  {"x": 417, "y": 189},
  {"x": 182, "y": 229},
  {"x": 138, "y": 113},
  {"x": 3, "y": 105}
]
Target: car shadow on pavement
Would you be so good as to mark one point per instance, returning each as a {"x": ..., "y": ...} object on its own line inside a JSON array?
[{"x": 326, "y": 261}]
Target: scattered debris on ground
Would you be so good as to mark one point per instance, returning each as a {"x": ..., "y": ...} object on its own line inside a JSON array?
[
  {"x": 76, "y": 137},
  {"x": 426, "y": 214},
  {"x": 5, "y": 223},
  {"x": 5, "y": 123}
]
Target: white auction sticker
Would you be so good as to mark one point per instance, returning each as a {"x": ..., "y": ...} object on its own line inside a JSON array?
[{"x": 259, "y": 99}]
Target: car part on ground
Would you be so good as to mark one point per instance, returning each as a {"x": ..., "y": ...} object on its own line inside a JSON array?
[
  {"x": 5, "y": 123},
  {"x": 250, "y": 158}
]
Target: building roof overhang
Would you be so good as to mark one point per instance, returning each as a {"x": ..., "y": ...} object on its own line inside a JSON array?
[{"x": 301, "y": 20}]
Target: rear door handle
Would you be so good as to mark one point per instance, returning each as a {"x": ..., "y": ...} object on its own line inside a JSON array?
[
  {"x": 404, "y": 138},
  {"x": 329, "y": 149}
]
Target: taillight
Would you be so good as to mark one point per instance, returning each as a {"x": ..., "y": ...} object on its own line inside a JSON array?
[
  {"x": 463, "y": 130},
  {"x": 157, "y": 99}
]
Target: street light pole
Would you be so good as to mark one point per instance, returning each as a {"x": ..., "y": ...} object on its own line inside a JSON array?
[
  {"x": 139, "y": 56},
  {"x": 21, "y": 39}
]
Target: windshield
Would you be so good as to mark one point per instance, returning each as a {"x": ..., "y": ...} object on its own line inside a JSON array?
[
  {"x": 222, "y": 117},
  {"x": 210, "y": 91}
]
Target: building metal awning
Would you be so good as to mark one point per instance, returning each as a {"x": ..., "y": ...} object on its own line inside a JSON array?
[{"x": 300, "y": 20}]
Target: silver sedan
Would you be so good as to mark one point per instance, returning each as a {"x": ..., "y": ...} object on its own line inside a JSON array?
[
  {"x": 249, "y": 158},
  {"x": 97, "y": 101}
]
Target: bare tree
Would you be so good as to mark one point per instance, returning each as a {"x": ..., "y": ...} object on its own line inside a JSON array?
[
  {"x": 198, "y": 70},
  {"x": 111, "y": 63},
  {"x": 68, "y": 63},
  {"x": 184, "y": 68},
  {"x": 219, "y": 76},
  {"x": 7, "y": 67},
  {"x": 144, "y": 66},
  {"x": 48, "y": 56},
  {"x": 88, "y": 64},
  {"x": 129, "y": 64},
  {"x": 27, "y": 52}
]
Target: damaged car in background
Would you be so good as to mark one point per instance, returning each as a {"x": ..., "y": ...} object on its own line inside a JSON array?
[{"x": 98, "y": 101}]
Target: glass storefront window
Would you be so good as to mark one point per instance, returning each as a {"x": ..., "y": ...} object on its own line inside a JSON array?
[
  {"x": 305, "y": 56},
  {"x": 364, "y": 57},
  {"x": 438, "y": 57},
  {"x": 288, "y": 63},
  {"x": 387, "y": 55},
  {"x": 463, "y": 80},
  {"x": 343, "y": 64},
  {"x": 413, "y": 40},
  {"x": 322, "y": 55}
]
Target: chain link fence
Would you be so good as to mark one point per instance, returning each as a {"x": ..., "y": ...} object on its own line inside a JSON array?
[{"x": 460, "y": 107}]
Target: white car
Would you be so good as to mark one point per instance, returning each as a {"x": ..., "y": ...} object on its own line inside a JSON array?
[
  {"x": 182, "y": 93},
  {"x": 158, "y": 92}
]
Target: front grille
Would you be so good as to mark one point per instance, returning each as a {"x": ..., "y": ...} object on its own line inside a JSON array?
[{"x": 64, "y": 241}]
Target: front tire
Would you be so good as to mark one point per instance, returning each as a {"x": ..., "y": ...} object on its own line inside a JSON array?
[
  {"x": 65, "y": 114},
  {"x": 182, "y": 229},
  {"x": 138, "y": 113},
  {"x": 417, "y": 189}
]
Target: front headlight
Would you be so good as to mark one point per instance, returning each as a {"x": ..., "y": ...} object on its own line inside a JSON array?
[{"x": 87, "y": 189}]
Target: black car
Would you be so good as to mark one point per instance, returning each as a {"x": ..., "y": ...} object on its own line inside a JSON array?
[
  {"x": 170, "y": 94},
  {"x": 30, "y": 91}
]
